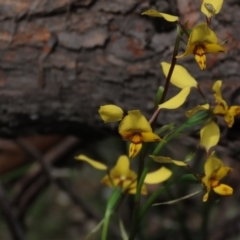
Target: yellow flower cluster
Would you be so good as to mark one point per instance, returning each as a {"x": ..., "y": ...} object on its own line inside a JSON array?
[
  {"x": 122, "y": 176},
  {"x": 202, "y": 39},
  {"x": 136, "y": 129}
]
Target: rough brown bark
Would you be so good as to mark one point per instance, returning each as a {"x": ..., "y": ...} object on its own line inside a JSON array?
[{"x": 61, "y": 59}]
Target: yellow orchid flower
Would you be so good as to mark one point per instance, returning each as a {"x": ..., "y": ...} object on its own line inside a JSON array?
[
  {"x": 155, "y": 13},
  {"x": 135, "y": 128},
  {"x": 222, "y": 108},
  {"x": 214, "y": 172},
  {"x": 111, "y": 113},
  {"x": 211, "y": 7},
  {"x": 121, "y": 175},
  {"x": 202, "y": 40}
]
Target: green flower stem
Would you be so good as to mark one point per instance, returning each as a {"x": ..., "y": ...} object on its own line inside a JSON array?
[
  {"x": 183, "y": 28},
  {"x": 137, "y": 199},
  {"x": 111, "y": 205}
]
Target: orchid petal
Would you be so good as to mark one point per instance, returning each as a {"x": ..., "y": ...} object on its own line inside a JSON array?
[
  {"x": 221, "y": 172},
  {"x": 231, "y": 113},
  {"x": 122, "y": 166},
  {"x": 110, "y": 113},
  {"x": 150, "y": 137},
  {"x": 210, "y": 135},
  {"x": 158, "y": 176},
  {"x": 211, "y": 7},
  {"x": 177, "y": 100},
  {"x": 134, "y": 121},
  {"x": 155, "y": 13},
  {"x": 93, "y": 163},
  {"x": 212, "y": 165},
  {"x": 134, "y": 149},
  {"x": 202, "y": 33},
  {"x": 213, "y": 48},
  {"x": 180, "y": 76},
  {"x": 223, "y": 190}
]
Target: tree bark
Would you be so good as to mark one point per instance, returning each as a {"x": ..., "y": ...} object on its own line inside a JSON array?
[{"x": 61, "y": 59}]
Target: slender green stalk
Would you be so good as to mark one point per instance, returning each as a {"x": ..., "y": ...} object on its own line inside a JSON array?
[
  {"x": 183, "y": 28},
  {"x": 111, "y": 205},
  {"x": 137, "y": 199}
]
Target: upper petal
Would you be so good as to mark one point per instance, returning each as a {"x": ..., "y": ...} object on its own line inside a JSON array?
[
  {"x": 180, "y": 76},
  {"x": 217, "y": 88},
  {"x": 160, "y": 175},
  {"x": 209, "y": 135},
  {"x": 211, "y": 7},
  {"x": 177, "y": 100},
  {"x": 155, "y": 13},
  {"x": 94, "y": 163},
  {"x": 110, "y": 113},
  {"x": 221, "y": 172},
  {"x": 212, "y": 165},
  {"x": 135, "y": 122},
  {"x": 122, "y": 167},
  {"x": 202, "y": 33}
]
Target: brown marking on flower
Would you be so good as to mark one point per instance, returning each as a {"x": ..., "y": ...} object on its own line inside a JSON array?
[{"x": 137, "y": 138}]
